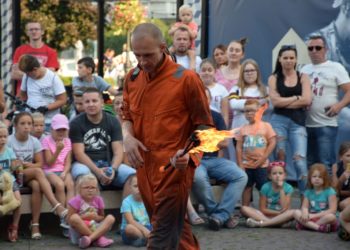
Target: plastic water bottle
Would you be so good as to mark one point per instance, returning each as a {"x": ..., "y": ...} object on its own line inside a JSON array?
[
  {"x": 19, "y": 174},
  {"x": 109, "y": 171}
]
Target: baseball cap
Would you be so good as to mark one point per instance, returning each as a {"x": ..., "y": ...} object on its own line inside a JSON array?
[{"x": 59, "y": 121}]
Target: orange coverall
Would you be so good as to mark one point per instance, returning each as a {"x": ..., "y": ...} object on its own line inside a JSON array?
[{"x": 165, "y": 111}]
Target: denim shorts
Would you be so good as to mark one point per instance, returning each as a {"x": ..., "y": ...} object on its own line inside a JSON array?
[
  {"x": 135, "y": 242},
  {"x": 257, "y": 176}
]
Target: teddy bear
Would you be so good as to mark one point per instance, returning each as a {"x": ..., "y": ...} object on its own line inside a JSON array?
[{"x": 8, "y": 201}]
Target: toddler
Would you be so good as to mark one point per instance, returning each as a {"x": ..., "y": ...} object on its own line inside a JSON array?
[
  {"x": 88, "y": 223},
  {"x": 319, "y": 204},
  {"x": 341, "y": 175},
  {"x": 135, "y": 227},
  {"x": 186, "y": 17}
]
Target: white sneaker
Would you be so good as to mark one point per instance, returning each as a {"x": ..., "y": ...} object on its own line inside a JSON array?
[{"x": 253, "y": 223}]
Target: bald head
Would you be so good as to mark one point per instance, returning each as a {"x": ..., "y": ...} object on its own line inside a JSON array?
[{"x": 147, "y": 30}]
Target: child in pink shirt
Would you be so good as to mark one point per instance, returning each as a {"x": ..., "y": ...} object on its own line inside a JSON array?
[
  {"x": 57, "y": 149},
  {"x": 186, "y": 17}
]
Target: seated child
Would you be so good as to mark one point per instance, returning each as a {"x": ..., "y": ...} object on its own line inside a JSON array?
[
  {"x": 57, "y": 149},
  {"x": 186, "y": 17},
  {"x": 38, "y": 130},
  {"x": 341, "y": 175},
  {"x": 275, "y": 200},
  {"x": 77, "y": 106},
  {"x": 135, "y": 227},
  {"x": 88, "y": 223},
  {"x": 344, "y": 228},
  {"x": 319, "y": 204},
  {"x": 86, "y": 79},
  {"x": 255, "y": 143},
  {"x": 7, "y": 162}
]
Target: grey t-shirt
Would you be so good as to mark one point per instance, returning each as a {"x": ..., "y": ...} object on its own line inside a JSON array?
[
  {"x": 24, "y": 150},
  {"x": 96, "y": 136},
  {"x": 97, "y": 82}
]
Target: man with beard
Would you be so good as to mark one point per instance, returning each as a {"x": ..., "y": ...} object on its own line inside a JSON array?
[{"x": 182, "y": 42}]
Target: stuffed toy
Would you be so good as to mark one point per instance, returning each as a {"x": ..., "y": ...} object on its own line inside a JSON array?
[{"x": 8, "y": 201}]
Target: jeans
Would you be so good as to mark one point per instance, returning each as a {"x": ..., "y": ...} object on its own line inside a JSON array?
[
  {"x": 289, "y": 131},
  {"x": 321, "y": 146},
  {"x": 123, "y": 173},
  {"x": 224, "y": 170}
]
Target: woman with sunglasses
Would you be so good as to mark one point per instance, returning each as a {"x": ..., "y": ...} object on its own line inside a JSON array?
[{"x": 290, "y": 94}]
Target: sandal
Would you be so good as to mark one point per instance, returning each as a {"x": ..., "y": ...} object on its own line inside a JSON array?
[
  {"x": 102, "y": 242},
  {"x": 37, "y": 235},
  {"x": 12, "y": 233},
  {"x": 62, "y": 215},
  {"x": 195, "y": 219},
  {"x": 232, "y": 222},
  {"x": 253, "y": 223}
]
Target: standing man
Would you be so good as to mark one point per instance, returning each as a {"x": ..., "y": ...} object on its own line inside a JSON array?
[
  {"x": 36, "y": 47},
  {"x": 321, "y": 121},
  {"x": 182, "y": 41},
  {"x": 163, "y": 105},
  {"x": 97, "y": 143}
]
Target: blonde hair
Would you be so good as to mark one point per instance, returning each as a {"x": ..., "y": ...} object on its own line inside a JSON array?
[
  {"x": 243, "y": 85},
  {"x": 2, "y": 125},
  {"x": 185, "y": 7},
  {"x": 85, "y": 178},
  {"x": 38, "y": 116}
]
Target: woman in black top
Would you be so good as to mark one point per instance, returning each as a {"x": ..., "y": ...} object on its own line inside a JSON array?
[{"x": 290, "y": 94}]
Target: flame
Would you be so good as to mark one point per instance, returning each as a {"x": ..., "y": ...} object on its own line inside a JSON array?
[{"x": 210, "y": 138}]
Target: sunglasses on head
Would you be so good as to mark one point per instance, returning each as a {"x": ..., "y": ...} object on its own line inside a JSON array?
[
  {"x": 288, "y": 46},
  {"x": 312, "y": 48}
]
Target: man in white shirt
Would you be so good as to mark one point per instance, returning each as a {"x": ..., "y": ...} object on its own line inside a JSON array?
[
  {"x": 321, "y": 121},
  {"x": 182, "y": 43}
]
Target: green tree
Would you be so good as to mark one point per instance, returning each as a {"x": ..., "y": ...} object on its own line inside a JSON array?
[{"x": 65, "y": 21}]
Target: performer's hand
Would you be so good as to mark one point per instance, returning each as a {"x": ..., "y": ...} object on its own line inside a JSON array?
[
  {"x": 178, "y": 161},
  {"x": 131, "y": 146}
]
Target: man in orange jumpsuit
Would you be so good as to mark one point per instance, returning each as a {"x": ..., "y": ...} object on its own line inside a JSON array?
[{"x": 163, "y": 105}]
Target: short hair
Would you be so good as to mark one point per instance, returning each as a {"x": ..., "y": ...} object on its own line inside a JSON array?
[
  {"x": 34, "y": 21},
  {"x": 27, "y": 63},
  {"x": 251, "y": 102},
  {"x": 184, "y": 28},
  {"x": 323, "y": 172},
  {"x": 185, "y": 7},
  {"x": 319, "y": 36},
  {"x": 148, "y": 29},
  {"x": 2, "y": 125},
  {"x": 88, "y": 62},
  {"x": 92, "y": 90},
  {"x": 38, "y": 116}
]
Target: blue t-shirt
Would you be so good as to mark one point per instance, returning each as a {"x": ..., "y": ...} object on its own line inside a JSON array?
[
  {"x": 318, "y": 202},
  {"x": 273, "y": 197},
  {"x": 136, "y": 208},
  {"x": 97, "y": 82},
  {"x": 6, "y": 158}
]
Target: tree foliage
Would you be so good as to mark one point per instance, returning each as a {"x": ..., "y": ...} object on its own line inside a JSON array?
[
  {"x": 65, "y": 21},
  {"x": 128, "y": 14}
]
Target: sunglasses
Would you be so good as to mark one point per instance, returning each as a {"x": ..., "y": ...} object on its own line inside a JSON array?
[
  {"x": 317, "y": 48},
  {"x": 277, "y": 164}
]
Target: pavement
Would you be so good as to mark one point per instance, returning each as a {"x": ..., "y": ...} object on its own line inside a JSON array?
[{"x": 226, "y": 239}]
